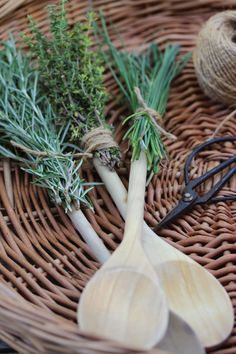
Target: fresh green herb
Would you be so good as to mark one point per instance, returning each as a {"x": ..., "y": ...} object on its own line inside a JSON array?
[
  {"x": 28, "y": 134},
  {"x": 72, "y": 75},
  {"x": 144, "y": 80}
]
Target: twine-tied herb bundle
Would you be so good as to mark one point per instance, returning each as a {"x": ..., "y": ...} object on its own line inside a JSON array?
[
  {"x": 28, "y": 133},
  {"x": 144, "y": 80},
  {"x": 72, "y": 76}
]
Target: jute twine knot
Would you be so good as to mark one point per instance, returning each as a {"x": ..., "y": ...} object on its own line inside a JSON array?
[
  {"x": 154, "y": 115},
  {"x": 215, "y": 57},
  {"x": 99, "y": 138}
]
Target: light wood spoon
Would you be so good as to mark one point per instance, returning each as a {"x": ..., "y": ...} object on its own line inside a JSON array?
[
  {"x": 123, "y": 301},
  {"x": 180, "y": 338},
  {"x": 191, "y": 291},
  {"x": 155, "y": 351}
]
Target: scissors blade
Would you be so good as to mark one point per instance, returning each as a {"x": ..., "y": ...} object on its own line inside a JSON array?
[{"x": 181, "y": 207}]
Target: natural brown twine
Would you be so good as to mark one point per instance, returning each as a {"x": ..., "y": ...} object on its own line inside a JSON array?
[
  {"x": 222, "y": 124},
  {"x": 99, "y": 138},
  {"x": 154, "y": 115},
  {"x": 215, "y": 57},
  {"x": 48, "y": 153}
]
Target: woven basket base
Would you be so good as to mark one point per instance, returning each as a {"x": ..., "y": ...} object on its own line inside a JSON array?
[{"x": 44, "y": 263}]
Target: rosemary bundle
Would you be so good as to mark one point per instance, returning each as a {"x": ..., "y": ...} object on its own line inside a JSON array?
[
  {"x": 72, "y": 74},
  {"x": 28, "y": 134}
]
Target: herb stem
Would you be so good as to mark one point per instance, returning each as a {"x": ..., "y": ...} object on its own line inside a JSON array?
[
  {"x": 8, "y": 180},
  {"x": 81, "y": 224}
]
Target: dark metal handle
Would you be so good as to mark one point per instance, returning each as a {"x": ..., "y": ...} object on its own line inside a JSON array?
[
  {"x": 199, "y": 149},
  {"x": 224, "y": 198},
  {"x": 4, "y": 348},
  {"x": 217, "y": 187},
  {"x": 199, "y": 180}
]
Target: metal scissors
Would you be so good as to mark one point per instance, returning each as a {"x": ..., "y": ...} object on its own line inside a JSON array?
[{"x": 190, "y": 197}]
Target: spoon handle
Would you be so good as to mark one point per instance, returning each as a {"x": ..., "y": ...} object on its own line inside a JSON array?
[
  {"x": 119, "y": 196},
  {"x": 111, "y": 179},
  {"x": 135, "y": 206}
]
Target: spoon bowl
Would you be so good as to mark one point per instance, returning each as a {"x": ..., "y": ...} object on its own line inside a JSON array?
[
  {"x": 123, "y": 301},
  {"x": 205, "y": 303},
  {"x": 140, "y": 320},
  {"x": 180, "y": 338},
  {"x": 191, "y": 291}
]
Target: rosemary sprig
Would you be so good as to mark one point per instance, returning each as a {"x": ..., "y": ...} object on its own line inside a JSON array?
[
  {"x": 72, "y": 75},
  {"x": 28, "y": 134},
  {"x": 27, "y": 128},
  {"x": 150, "y": 73}
]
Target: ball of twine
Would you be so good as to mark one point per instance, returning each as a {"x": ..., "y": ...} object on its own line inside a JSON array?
[{"x": 215, "y": 57}]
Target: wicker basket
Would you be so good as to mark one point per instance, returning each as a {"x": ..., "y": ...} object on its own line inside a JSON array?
[{"x": 44, "y": 264}]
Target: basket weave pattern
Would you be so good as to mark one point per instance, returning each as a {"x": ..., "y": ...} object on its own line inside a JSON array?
[{"x": 44, "y": 264}]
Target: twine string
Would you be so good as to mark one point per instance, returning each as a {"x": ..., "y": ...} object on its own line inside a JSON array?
[
  {"x": 44, "y": 154},
  {"x": 223, "y": 123},
  {"x": 99, "y": 138},
  {"x": 154, "y": 115}
]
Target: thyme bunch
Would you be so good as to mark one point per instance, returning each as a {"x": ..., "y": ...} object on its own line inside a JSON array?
[
  {"x": 27, "y": 129},
  {"x": 72, "y": 75},
  {"x": 150, "y": 74}
]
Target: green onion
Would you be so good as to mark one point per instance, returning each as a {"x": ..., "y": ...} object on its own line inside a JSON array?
[{"x": 151, "y": 72}]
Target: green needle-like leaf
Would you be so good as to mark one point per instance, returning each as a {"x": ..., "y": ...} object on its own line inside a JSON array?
[
  {"x": 27, "y": 119},
  {"x": 152, "y": 72},
  {"x": 71, "y": 73}
]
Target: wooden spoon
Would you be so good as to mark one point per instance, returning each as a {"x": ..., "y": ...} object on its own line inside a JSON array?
[
  {"x": 155, "y": 351},
  {"x": 191, "y": 291},
  {"x": 180, "y": 338},
  {"x": 123, "y": 301}
]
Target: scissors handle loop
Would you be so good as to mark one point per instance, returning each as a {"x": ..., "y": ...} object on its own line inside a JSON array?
[{"x": 201, "y": 148}]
